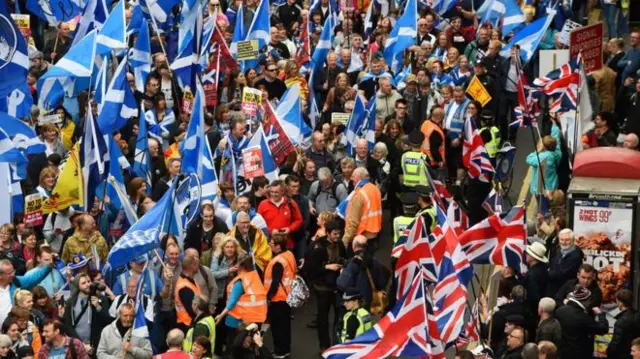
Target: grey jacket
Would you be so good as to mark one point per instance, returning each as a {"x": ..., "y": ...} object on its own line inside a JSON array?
[
  {"x": 112, "y": 345},
  {"x": 208, "y": 286}
]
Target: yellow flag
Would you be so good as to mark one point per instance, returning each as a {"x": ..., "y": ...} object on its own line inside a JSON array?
[
  {"x": 478, "y": 92},
  {"x": 68, "y": 189}
]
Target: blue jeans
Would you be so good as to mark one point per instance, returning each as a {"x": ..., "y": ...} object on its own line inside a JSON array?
[{"x": 613, "y": 13}]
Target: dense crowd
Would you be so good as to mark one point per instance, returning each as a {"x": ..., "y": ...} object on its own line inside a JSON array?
[{"x": 207, "y": 292}]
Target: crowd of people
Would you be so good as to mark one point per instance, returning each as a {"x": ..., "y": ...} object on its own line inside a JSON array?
[{"x": 208, "y": 292}]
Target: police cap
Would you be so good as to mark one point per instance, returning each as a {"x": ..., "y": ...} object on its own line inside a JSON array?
[
  {"x": 409, "y": 199},
  {"x": 416, "y": 138},
  {"x": 423, "y": 190}
]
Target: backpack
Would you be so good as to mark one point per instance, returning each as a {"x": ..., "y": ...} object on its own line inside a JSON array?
[
  {"x": 334, "y": 190},
  {"x": 299, "y": 293},
  {"x": 379, "y": 299}
]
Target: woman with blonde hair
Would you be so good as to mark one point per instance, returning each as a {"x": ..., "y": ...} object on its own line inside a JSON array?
[
  {"x": 323, "y": 218},
  {"x": 47, "y": 180},
  {"x": 339, "y": 95},
  {"x": 292, "y": 76},
  {"x": 51, "y": 138},
  {"x": 23, "y": 298}
]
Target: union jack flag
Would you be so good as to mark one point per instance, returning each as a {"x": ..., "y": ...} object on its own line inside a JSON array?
[
  {"x": 414, "y": 253},
  {"x": 499, "y": 239},
  {"x": 493, "y": 203},
  {"x": 474, "y": 155},
  {"x": 458, "y": 219},
  {"x": 562, "y": 85},
  {"x": 528, "y": 109},
  {"x": 470, "y": 329},
  {"x": 407, "y": 330}
]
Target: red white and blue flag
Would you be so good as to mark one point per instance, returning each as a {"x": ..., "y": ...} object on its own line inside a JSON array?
[
  {"x": 562, "y": 85},
  {"x": 406, "y": 330},
  {"x": 527, "y": 109},
  {"x": 499, "y": 239},
  {"x": 493, "y": 203},
  {"x": 470, "y": 331},
  {"x": 474, "y": 155},
  {"x": 414, "y": 254}
]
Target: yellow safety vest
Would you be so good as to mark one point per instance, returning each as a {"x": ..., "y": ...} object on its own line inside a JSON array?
[
  {"x": 492, "y": 146},
  {"x": 414, "y": 169},
  {"x": 431, "y": 211},
  {"x": 211, "y": 325},
  {"x": 364, "y": 321},
  {"x": 400, "y": 224}
]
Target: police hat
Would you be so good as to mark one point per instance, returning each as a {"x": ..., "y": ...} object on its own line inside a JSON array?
[
  {"x": 423, "y": 190},
  {"x": 351, "y": 294},
  {"x": 416, "y": 138},
  {"x": 486, "y": 114},
  {"x": 479, "y": 62},
  {"x": 409, "y": 199}
]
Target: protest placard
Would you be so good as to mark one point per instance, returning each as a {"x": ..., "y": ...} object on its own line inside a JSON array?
[
  {"x": 340, "y": 117},
  {"x": 33, "y": 209},
  {"x": 564, "y": 35},
  {"x": 23, "y": 22},
  {"x": 247, "y": 50},
  {"x": 587, "y": 41},
  {"x": 250, "y": 99},
  {"x": 252, "y": 162}
]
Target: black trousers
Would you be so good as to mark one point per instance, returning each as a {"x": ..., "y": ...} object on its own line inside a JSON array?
[
  {"x": 279, "y": 315},
  {"x": 221, "y": 328},
  {"x": 326, "y": 300},
  {"x": 508, "y": 101}
]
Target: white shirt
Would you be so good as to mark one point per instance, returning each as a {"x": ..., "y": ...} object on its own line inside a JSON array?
[
  {"x": 451, "y": 114},
  {"x": 5, "y": 303}
]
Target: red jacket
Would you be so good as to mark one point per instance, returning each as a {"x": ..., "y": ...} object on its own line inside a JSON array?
[{"x": 286, "y": 216}]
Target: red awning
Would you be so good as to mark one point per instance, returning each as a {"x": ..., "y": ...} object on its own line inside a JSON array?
[{"x": 607, "y": 162}]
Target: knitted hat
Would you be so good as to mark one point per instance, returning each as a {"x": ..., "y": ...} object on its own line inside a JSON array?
[{"x": 581, "y": 293}]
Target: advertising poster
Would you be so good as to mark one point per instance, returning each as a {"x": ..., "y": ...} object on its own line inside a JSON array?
[
  {"x": 252, "y": 163},
  {"x": 603, "y": 231}
]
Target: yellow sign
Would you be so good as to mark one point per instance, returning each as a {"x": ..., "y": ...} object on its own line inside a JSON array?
[
  {"x": 247, "y": 50},
  {"x": 23, "y": 22},
  {"x": 33, "y": 209},
  {"x": 251, "y": 99},
  {"x": 478, "y": 92},
  {"x": 68, "y": 189}
]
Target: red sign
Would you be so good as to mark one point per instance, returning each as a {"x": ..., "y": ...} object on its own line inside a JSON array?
[
  {"x": 588, "y": 42},
  {"x": 279, "y": 143},
  {"x": 252, "y": 163}
]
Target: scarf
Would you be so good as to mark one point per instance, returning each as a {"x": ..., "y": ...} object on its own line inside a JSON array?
[{"x": 565, "y": 252}]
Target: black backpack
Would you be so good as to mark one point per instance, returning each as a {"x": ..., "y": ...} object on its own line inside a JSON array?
[{"x": 334, "y": 190}]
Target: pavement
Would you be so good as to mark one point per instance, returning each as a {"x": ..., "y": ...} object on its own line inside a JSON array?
[{"x": 304, "y": 340}]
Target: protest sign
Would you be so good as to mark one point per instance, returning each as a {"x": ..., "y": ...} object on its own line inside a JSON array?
[
  {"x": 340, "y": 117},
  {"x": 277, "y": 139},
  {"x": 250, "y": 99},
  {"x": 587, "y": 41},
  {"x": 252, "y": 162},
  {"x": 187, "y": 102},
  {"x": 52, "y": 118},
  {"x": 33, "y": 209},
  {"x": 478, "y": 92},
  {"x": 551, "y": 60},
  {"x": 23, "y": 22},
  {"x": 247, "y": 50},
  {"x": 564, "y": 35}
]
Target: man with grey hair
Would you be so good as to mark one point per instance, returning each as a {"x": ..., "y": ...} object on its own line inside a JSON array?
[
  {"x": 549, "y": 327},
  {"x": 318, "y": 152},
  {"x": 364, "y": 211},
  {"x": 162, "y": 186},
  {"x": 530, "y": 351},
  {"x": 362, "y": 153},
  {"x": 631, "y": 141},
  {"x": 205, "y": 279},
  {"x": 564, "y": 265},
  {"x": 325, "y": 194},
  {"x": 117, "y": 339},
  {"x": 175, "y": 337},
  {"x": 386, "y": 98}
]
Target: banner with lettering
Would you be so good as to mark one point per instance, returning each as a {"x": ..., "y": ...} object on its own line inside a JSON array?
[
  {"x": 603, "y": 231},
  {"x": 279, "y": 143}
]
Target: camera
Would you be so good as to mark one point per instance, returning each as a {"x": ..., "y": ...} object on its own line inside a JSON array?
[{"x": 96, "y": 287}]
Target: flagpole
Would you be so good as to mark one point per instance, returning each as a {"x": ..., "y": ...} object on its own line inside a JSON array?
[{"x": 480, "y": 339}]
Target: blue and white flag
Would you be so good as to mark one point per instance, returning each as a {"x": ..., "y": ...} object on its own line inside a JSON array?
[
  {"x": 140, "y": 57},
  {"x": 140, "y": 329},
  {"x": 209, "y": 178},
  {"x": 401, "y": 78},
  {"x": 14, "y": 59},
  {"x": 10, "y": 153},
  {"x": 78, "y": 62},
  {"x": 238, "y": 34},
  {"x": 113, "y": 35},
  {"x": 159, "y": 9},
  {"x": 137, "y": 16},
  {"x": 54, "y": 11},
  {"x": 402, "y": 36},
  {"x": 368, "y": 22},
  {"x": 22, "y": 135},
  {"x": 94, "y": 158},
  {"x": 189, "y": 38},
  {"x": 271, "y": 170},
  {"x": 93, "y": 17},
  {"x": 260, "y": 30},
  {"x": 529, "y": 38},
  {"x": 143, "y": 236},
  {"x": 192, "y": 148},
  {"x": 18, "y": 103},
  {"x": 102, "y": 82},
  {"x": 442, "y": 6},
  {"x": 116, "y": 189},
  {"x": 119, "y": 104},
  {"x": 141, "y": 156},
  {"x": 324, "y": 45},
  {"x": 50, "y": 93},
  {"x": 505, "y": 13},
  {"x": 185, "y": 207},
  {"x": 362, "y": 124},
  {"x": 289, "y": 114}
]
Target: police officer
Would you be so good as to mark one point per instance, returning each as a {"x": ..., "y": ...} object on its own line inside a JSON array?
[
  {"x": 400, "y": 224},
  {"x": 490, "y": 134},
  {"x": 357, "y": 320},
  {"x": 202, "y": 325},
  {"x": 414, "y": 163},
  {"x": 425, "y": 206}
]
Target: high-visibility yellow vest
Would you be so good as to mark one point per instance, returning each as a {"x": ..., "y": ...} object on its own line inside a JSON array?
[
  {"x": 364, "y": 320},
  {"x": 400, "y": 224},
  {"x": 492, "y": 146},
  {"x": 211, "y": 325},
  {"x": 414, "y": 169},
  {"x": 431, "y": 211}
]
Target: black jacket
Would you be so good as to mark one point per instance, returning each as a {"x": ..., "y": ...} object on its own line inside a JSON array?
[
  {"x": 99, "y": 319},
  {"x": 500, "y": 318},
  {"x": 536, "y": 283},
  {"x": 562, "y": 269},
  {"x": 513, "y": 353},
  {"x": 195, "y": 232},
  {"x": 578, "y": 329},
  {"x": 570, "y": 285},
  {"x": 624, "y": 331},
  {"x": 315, "y": 260},
  {"x": 549, "y": 330}
]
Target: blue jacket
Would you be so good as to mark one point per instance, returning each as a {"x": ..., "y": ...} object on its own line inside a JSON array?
[
  {"x": 354, "y": 276},
  {"x": 551, "y": 166},
  {"x": 29, "y": 280},
  {"x": 630, "y": 63}
]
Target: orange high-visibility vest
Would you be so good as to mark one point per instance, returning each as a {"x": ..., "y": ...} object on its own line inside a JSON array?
[
  {"x": 288, "y": 262},
  {"x": 427, "y": 129},
  {"x": 371, "y": 215},
  {"x": 252, "y": 306},
  {"x": 181, "y": 312}
]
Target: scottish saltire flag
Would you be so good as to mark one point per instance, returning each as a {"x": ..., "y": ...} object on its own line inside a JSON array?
[
  {"x": 158, "y": 10},
  {"x": 185, "y": 65},
  {"x": 238, "y": 34},
  {"x": 493, "y": 203},
  {"x": 209, "y": 179},
  {"x": 504, "y": 13},
  {"x": 136, "y": 20},
  {"x": 22, "y": 135},
  {"x": 362, "y": 124},
  {"x": 368, "y": 22},
  {"x": 474, "y": 155},
  {"x": 78, "y": 63},
  {"x": 401, "y": 77},
  {"x": 289, "y": 114},
  {"x": 54, "y": 11},
  {"x": 143, "y": 236},
  {"x": 140, "y": 328},
  {"x": 442, "y": 6},
  {"x": 499, "y": 239},
  {"x": 562, "y": 85},
  {"x": 260, "y": 28},
  {"x": 402, "y": 36},
  {"x": 115, "y": 187},
  {"x": 94, "y": 157},
  {"x": 141, "y": 156},
  {"x": 11, "y": 154},
  {"x": 14, "y": 59},
  {"x": 119, "y": 103},
  {"x": 113, "y": 34},
  {"x": 102, "y": 82},
  {"x": 140, "y": 57},
  {"x": 406, "y": 330},
  {"x": 271, "y": 170},
  {"x": 18, "y": 103},
  {"x": 185, "y": 207},
  {"x": 384, "y": 74},
  {"x": 529, "y": 38},
  {"x": 93, "y": 17},
  {"x": 192, "y": 148},
  {"x": 324, "y": 45}
]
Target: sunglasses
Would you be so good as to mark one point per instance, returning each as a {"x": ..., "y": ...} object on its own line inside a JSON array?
[{"x": 271, "y": 69}]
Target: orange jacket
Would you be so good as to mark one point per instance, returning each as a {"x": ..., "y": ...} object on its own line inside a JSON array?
[
  {"x": 252, "y": 305},
  {"x": 182, "y": 314},
  {"x": 364, "y": 212},
  {"x": 427, "y": 129},
  {"x": 288, "y": 263}
]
